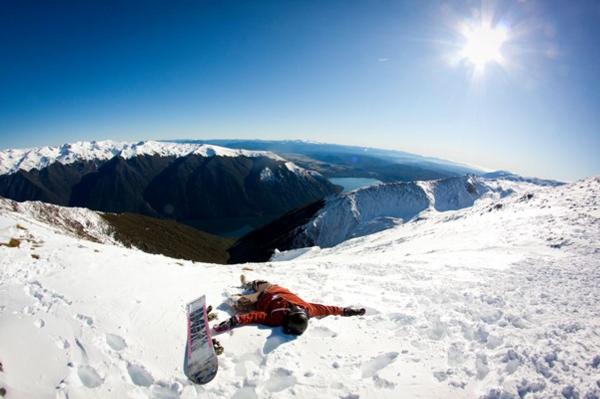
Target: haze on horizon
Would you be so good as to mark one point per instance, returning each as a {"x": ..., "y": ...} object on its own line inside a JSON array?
[{"x": 500, "y": 85}]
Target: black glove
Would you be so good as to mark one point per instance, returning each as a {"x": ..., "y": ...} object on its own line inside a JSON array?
[
  {"x": 353, "y": 312},
  {"x": 226, "y": 325}
]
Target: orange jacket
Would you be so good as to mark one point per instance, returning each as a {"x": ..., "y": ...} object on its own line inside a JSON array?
[{"x": 273, "y": 303}]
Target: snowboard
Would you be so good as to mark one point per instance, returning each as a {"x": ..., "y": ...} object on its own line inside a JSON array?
[{"x": 201, "y": 362}]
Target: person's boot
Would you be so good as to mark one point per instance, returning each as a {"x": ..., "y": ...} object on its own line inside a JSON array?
[
  {"x": 210, "y": 315},
  {"x": 218, "y": 347}
]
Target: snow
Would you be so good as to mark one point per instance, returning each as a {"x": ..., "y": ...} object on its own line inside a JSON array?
[
  {"x": 375, "y": 208},
  {"x": 266, "y": 174},
  {"x": 495, "y": 300},
  {"x": 78, "y": 222},
  {"x": 292, "y": 167},
  {"x": 504, "y": 175},
  {"x": 37, "y": 158}
]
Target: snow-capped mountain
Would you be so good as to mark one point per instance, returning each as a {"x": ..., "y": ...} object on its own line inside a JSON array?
[
  {"x": 372, "y": 209},
  {"x": 495, "y": 300},
  {"x": 504, "y": 175},
  {"x": 13, "y": 160},
  {"x": 334, "y": 160},
  {"x": 366, "y": 211},
  {"x": 192, "y": 183}
]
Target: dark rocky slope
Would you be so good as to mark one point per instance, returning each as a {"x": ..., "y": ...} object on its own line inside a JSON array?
[
  {"x": 167, "y": 237},
  {"x": 189, "y": 188},
  {"x": 259, "y": 245}
]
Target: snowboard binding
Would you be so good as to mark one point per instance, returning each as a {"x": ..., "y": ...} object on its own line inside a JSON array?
[{"x": 218, "y": 347}]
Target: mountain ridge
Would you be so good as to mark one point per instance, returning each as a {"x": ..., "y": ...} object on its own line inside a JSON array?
[
  {"x": 191, "y": 183},
  {"x": 12, "y": 160},
  {"x": 151, "y": 235},
  {"x": 362, "y": 212}
]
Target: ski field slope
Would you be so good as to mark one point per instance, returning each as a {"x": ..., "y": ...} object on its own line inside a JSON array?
[{"x": 498, "y": 300}]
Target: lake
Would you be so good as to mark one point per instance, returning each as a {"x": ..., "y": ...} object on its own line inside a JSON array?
[{"x": 352, "y": 183}]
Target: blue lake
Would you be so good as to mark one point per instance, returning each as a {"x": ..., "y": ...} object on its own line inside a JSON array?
[{"x": 352, "y": 183}]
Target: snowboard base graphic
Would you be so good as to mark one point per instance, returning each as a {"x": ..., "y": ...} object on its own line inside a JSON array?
[{"x": 201, "y": 362}]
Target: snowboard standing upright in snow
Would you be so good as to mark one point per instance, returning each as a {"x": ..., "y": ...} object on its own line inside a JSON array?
[{"x": 201, "y": 362}]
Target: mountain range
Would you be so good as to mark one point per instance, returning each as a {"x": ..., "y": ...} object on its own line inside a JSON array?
[
  {"x": 334, "y": 160},
  {"x": 192, "y": 183}
]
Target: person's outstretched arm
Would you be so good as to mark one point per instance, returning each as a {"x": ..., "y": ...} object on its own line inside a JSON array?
[
  {"x": 240, "y": 320},
  {"x": 251, "y": 317},
  {"x": 318, "y": 310}
]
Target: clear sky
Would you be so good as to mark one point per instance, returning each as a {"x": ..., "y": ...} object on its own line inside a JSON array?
[{"x": 409, "y": 75}]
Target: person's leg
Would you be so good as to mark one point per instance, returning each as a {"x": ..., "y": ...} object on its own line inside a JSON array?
[
  {"x": 260, "y": 285},
  {"x": 246, "y": 302},
  {"x": 255, "y": 285}
]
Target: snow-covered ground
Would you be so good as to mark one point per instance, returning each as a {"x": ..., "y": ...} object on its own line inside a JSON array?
[{"x": 497, "y": 300}]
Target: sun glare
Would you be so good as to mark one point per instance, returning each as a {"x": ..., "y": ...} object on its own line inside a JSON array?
[{"x": 483, "y": 45}]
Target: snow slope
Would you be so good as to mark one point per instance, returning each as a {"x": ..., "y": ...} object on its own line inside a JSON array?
[
  {"x": 497, "y": 300},
  {"x": 375, "y": 208},
  {"x": 76, "y": 222},
  {"x": 37, "y": 158}
]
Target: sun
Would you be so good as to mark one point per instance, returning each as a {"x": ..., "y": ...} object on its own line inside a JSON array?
[{"x": 483, "y": 45}]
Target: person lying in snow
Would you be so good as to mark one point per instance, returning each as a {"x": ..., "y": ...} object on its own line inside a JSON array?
[{"x": 274, "y": 305}]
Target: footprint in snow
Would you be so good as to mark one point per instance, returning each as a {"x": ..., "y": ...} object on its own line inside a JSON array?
[
  {"x": 28, "y": 310},
  {"x": 139, "y": 375},
  {"x": 280, "y": 379},
  {"x": 61, "y": 343},
  {"x": 440, "y": 375},
  {"x": 323, "y": 332},
  {"x": 89, "y": 376},
  {"x": 382, "y": 383},
  {"x": 245, "y": 393},
  {"x": 166, "y": 390},
  {"x": 87, "y": 320},
  {"x": 39, "y": 323},
  {"x": 373, "y": 366},
  {"x": 402, "y": 319},
  {"x": 115, "y": 342}
]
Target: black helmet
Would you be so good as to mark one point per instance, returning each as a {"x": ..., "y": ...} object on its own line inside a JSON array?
[{"x": 296, "y": 321}]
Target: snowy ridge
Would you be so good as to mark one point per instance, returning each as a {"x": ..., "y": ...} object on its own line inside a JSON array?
[
  {"x": 76, "y": 222},
  {"x": 37, "y": 158},
  {"x": 497, "y": 300},
  {"x": 268, "y": 175},
  {"x": 457, "y": 192},
  {"x": 504, "y": 175},
  {"x": 375, "y": 208},
  {"x": 292, "y": 167}
]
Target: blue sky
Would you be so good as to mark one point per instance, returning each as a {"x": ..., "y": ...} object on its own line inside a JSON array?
[{"x": 379, "y": 73}]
